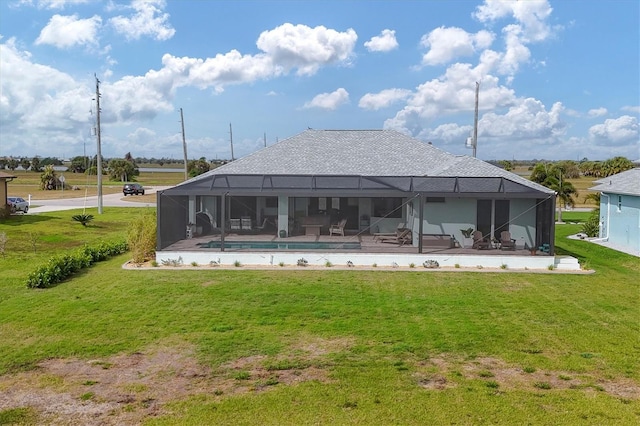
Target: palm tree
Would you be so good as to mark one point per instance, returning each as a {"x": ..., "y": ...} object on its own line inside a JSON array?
[
  {"x": 48, "y": 178},
  {"x": 564, "y": 190},
  {"x": 593, "y": 197}
]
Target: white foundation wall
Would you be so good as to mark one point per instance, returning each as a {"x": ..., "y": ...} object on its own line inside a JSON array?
[{"x": 357, "y": 259}]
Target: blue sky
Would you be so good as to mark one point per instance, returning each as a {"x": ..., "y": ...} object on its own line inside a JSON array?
[{"x": 558, "y": 79}]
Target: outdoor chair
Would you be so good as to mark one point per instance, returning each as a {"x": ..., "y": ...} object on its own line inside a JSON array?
[
  {"x": 401, "y": 237},
  {"x": 400, "y": 227},
  {"x": 234, "y": 224},
  {"x": 246, "y": 224},
  {"x": 479, "y": 242},
  {"x": 506, "y": 242},
  {"x": 265, "y": 224},
  {"x": 338, "y": 228}
]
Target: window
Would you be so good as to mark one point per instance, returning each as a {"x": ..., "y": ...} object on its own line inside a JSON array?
[{"x": 387, "y": 207}]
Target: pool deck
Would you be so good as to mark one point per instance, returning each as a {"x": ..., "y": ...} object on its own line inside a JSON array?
[{"x": 372, "y": 252}]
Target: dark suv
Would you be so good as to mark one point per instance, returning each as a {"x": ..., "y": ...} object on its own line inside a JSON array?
[{"x": 132, "y": 188}]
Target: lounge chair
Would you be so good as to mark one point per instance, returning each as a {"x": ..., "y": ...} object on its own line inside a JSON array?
[
  {"x": 506, "y": 242},
  {"x": 479, "y": 242},
  {"x": 234, "y": 224},
  {"x": 246, "y": 224},
  {"x": 400, "y": 227},
  {"x": 338, "y": 228},
  {"x": 401, "y": 237},
  {"x": 265, "y": 224}
]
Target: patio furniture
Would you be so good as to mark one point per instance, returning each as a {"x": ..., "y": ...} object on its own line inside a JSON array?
[
  {"x": 506, "y": 242},
  {"x": 312, "y": 229},
  {"x": 338, "y": 228},
  {"x": 400, "y": 227},
  {"x": 246, "y": 224},
  {"x": 234, "y": 224},
  {"x": 441, "y": 241},
  {"x": 401, "y": 237},
  {"x": 479, "y": 242},
  {"x": 265, "y": 224}
]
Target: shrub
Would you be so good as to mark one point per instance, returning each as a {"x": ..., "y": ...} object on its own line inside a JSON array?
[
  {"x": 59, "y": 268},
  {"x": 592, "y": 226},
  {"x": 142, "y": 237},
  {"x": 83, "y": 218}
]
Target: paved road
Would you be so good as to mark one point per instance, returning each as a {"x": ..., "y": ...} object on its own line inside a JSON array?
[{"x": 108, "y": 200}]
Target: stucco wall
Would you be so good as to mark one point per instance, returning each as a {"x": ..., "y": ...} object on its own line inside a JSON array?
[{"x": 621, "y": 224}]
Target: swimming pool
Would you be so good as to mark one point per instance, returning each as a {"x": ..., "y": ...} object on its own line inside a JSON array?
[{"x": 273, "y": 245}]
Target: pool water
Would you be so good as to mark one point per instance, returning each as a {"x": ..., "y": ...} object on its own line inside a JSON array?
[{"x": 266, "y": 245}]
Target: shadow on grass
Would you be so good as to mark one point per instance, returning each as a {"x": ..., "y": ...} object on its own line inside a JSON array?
[{"x": 18, "y": 220}]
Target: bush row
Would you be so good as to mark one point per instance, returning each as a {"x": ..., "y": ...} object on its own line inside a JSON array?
[{"x": 59, "y": 268}]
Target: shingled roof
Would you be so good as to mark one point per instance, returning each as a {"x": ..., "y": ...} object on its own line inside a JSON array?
[
  {"x": 627, "y": 183},
  {"x": 371, "y": 153}
]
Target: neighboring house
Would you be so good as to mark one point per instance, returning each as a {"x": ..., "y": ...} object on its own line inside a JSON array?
[
  {"x": 620, "y": 209},
  {"x": 375, "y": 179},
  {"x": 4, "y": 178}
]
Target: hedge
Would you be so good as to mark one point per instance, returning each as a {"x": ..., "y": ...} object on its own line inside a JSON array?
[{"x": 59, "y": 268}]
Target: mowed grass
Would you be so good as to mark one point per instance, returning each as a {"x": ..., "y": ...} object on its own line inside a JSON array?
[
  {"x": 28, "y": 182},
  {"x": 384, "y": 336}
]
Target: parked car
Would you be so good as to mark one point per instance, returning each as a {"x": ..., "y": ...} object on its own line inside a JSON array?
[
  {"x": 17, "y": 204},
  {"x": 132, "y": 188}
]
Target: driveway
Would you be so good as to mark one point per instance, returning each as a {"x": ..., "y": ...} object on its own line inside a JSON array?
[{"x": 109, "y": 200}]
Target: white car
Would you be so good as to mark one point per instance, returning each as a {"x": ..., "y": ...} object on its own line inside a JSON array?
[{"x": 17, "y": 204}]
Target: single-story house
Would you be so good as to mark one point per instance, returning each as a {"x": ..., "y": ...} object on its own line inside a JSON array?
[
  {"x": 620, "y": 209},
  {"x": 4, "y": 178},
  {"x": 370, "y": 181}
]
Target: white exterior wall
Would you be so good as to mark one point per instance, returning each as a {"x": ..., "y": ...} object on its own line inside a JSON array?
[{"x": 620, "y": 221}]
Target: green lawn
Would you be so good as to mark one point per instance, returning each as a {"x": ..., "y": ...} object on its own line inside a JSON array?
[{"x": 334, "y": 347}]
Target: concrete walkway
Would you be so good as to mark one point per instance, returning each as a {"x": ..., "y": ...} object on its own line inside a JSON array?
[{"x": 108, "y": 200}]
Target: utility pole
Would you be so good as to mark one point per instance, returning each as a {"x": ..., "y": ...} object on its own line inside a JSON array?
[
  {"x": 475, "y": 122},
  {"x": 99, "y": 150},
  {"x": 231, "y": 139},
  {"x": 265, "y": 139},
  {"x": 184, "y": 146}
]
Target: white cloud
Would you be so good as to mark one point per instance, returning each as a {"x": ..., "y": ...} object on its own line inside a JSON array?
[
  {"x": 597, "y": 112},
  {"x": 68, "y": 31},
  {"x": 631, "y": 109},
  {"x": 527, "y": 120},
  {"x": 375, "y": 101},
  {"x": 616, "y": 131},
  {"x": 329, "y": 101},
  {"x": 51, "y": 4},
  {"x": 148, "y": 20},
  {"x": 447, "y": 44},
  {"x": 299, "y": 46},
  {"x": 385, "y": 42},
  {"x": 532, "y": 16}
]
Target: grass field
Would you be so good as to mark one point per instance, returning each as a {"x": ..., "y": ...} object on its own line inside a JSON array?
[
  {"x": 28, "y": 182},
  {"x": 313, "y": 347}
]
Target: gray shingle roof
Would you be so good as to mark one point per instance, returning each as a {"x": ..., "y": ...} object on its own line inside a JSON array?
[
  {"x": 362, "y": 153},
  {"x": 627, "y": 182}
]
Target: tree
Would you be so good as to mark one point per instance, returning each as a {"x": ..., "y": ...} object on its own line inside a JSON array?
[
  {"x": 540, "y": 172},
  {"x": 35, "y": 164},
  {"x": 198, "y": 167},
  {"x": 48, "y": 178},
  {"x": 12, "y": 164},
  {"x": 616, "y": 165},
  {"x": 563, "y": 188},
  {"x": 3, "y": 163},
  {"x": 25, "y": 163},
  {"x": 506, "y": 164},
  {"x": 78, "y": 164},
  {"x": 593, "y": 197},
  {"x": 122, "y": 170}
]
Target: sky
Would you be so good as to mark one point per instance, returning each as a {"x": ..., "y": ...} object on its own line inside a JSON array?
[{"x": 557, "y": 79}]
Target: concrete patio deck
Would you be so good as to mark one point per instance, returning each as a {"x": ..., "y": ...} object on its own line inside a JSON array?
[{"x": 382, "y": 254}]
